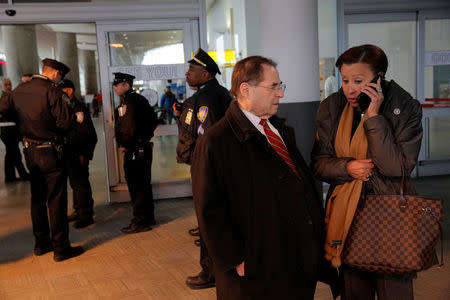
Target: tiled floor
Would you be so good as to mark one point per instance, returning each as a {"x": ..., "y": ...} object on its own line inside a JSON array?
[{"x": 150, "y": 265}]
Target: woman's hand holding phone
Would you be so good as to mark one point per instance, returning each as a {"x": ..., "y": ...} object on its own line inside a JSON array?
[{"x": 375, "y": 93}]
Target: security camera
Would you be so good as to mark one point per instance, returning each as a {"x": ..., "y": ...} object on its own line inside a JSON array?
[{"x": 10, "y": 12}]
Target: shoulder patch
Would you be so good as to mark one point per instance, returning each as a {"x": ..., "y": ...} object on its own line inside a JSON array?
[
  {"x": 80, "y": 116},
  {"x": 202, "y": 113},
  {"x": 122, "y": 110}
]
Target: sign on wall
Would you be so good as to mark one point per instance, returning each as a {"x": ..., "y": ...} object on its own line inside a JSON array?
[
  {"x": 153, "y": 72},
  {"x": 437, "y": 58}
]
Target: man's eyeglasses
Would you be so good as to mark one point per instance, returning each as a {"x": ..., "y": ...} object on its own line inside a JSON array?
[{"x": 275, "y": 88}]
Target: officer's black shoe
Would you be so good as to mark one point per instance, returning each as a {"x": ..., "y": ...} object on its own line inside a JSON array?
[
  {"x": 73, "y": 216},
  {"x": 67, "y": 253},
  {"x": 81, "y": 223},
  {"x": 135, "y": 228},
  {"x": 194, "y": 231},
  {"x": 41, "y": 249},
  {"x": 25, "y": 177},
  {"x": 201, "y": 281}
]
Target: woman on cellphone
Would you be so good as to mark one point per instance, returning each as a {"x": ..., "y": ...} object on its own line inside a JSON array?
[{"x": 373, "y": 146}]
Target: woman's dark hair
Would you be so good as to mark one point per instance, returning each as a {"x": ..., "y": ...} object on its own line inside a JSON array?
[{"x": 367, "y": 54}]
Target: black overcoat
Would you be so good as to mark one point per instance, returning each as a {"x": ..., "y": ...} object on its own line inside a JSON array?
[{"x": 251, "y": 207}]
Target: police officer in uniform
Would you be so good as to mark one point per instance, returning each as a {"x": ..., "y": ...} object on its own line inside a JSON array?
[
  {"x": 43, "y": 118},
  {"x": 78, "y": 151},
  {"x": 197, "y": 114},
  {"x": 135, "y": 121}
]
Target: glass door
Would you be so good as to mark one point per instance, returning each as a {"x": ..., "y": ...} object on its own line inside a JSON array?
[
  {"x": 434, "y": 49},
  {"x": 156, "y": 54}
]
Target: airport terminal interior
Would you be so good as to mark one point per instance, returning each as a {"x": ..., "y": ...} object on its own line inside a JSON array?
[{"x": 155, "y": 264}]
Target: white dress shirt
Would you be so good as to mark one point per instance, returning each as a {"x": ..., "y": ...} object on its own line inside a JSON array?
[{"x": 255, "y": 121}]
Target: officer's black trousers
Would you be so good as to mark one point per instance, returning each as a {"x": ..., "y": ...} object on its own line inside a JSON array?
[
  {"x": 48, "y": 190},
  {"x": 78, "y": 174},
  {"x": 13, "y": 158},
  {"x": 206, "y": 262},
  {"x": 138, "y": 177}
]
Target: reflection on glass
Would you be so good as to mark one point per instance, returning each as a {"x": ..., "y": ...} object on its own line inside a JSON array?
[
  {"x": 397, "y": 39},
  {"x": 438, "y": 137},
  {"x": 164, "y": 166},
  {"x": 327, "y": 15},
  {"x": 158, "y": 47},
  {"x": 437, "y": 85}
]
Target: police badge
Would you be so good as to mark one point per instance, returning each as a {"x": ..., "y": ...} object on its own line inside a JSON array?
[
  {"x": 188, "y": 118},
  {"x": 122, "y": 110},
  {"x": 80, "y": 116},
  {"x": 202, "y": 113}
]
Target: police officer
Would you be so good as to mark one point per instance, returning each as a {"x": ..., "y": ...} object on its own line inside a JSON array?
[
  {"x": 197, "y": 114},
  {"x": 43, "y": 118},
  {"x": 78, "y": 151},
  {"x": 135, "y": 121}
]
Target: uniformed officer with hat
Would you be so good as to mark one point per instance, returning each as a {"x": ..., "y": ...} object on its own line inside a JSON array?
[
  {"x": 78, "y": 151},
  {"x": 197, "y": 114},
  {"x": 135, "y": 121},
  {"x": 43, "y": 118}
]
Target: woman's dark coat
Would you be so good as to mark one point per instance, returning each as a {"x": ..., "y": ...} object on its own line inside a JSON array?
[
  {"x": 251, "y": 207},
  {"x": 394, "y": 138}
]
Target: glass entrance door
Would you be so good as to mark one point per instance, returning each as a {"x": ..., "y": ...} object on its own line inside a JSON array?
[{"x": 156, "y": 54}]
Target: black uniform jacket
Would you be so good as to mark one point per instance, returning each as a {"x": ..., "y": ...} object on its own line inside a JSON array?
[
  {"x": 201, "y": 111},
  {"x": 39, "y": 108},
  {"x": 81, "y": 137},
  {"x": 251, "y": 207},
  {"x": 394, "y": 138},
  {"x": 135, "y": 120}
]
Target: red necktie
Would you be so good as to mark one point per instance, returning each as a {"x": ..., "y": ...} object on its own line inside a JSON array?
[{"x": 278, "y": 146}]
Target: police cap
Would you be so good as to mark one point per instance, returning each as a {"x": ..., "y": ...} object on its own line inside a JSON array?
[
  {"x": 202, "y": 58},
  {"x": 66, "y": 83},
  {"x": 54, "y": 64},
  {"x": 122, "y": 77}
]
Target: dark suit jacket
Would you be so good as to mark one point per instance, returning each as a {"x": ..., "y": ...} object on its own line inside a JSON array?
[{"x": 251, "y": 207}]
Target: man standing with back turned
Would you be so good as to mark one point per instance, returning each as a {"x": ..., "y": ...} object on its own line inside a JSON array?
[
  {"x": 43, "y": 118},
  {"x": 256, "y": 204},
  {"x": 199, "y": 113}
]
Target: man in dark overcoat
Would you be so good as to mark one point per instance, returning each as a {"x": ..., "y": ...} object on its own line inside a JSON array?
[
  {"x": 197, "y": 115},
  {"x": 256, "y": 204}
]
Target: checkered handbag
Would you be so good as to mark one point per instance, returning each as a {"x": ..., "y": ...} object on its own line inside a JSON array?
[{"x": 394, "y": 234}]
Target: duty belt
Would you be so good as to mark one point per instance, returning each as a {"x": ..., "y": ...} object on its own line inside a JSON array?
[{"x": 27, "y": 142}]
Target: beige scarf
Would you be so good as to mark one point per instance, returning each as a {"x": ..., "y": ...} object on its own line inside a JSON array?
[{"x": 340, "y": 211}]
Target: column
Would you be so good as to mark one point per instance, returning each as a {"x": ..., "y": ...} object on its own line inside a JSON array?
[
  {"x": 288, "y": 33},
  {"x": 67, "y": 53},
  {"x": 21, "y": 51},
  {"x": 88, "y": 68}
]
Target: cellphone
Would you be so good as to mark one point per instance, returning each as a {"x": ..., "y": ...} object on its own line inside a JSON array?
[{"x": 363, "y": 99}]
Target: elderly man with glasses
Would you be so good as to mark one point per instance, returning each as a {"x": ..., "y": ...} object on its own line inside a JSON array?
[{"x": 256, "y": 204}]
